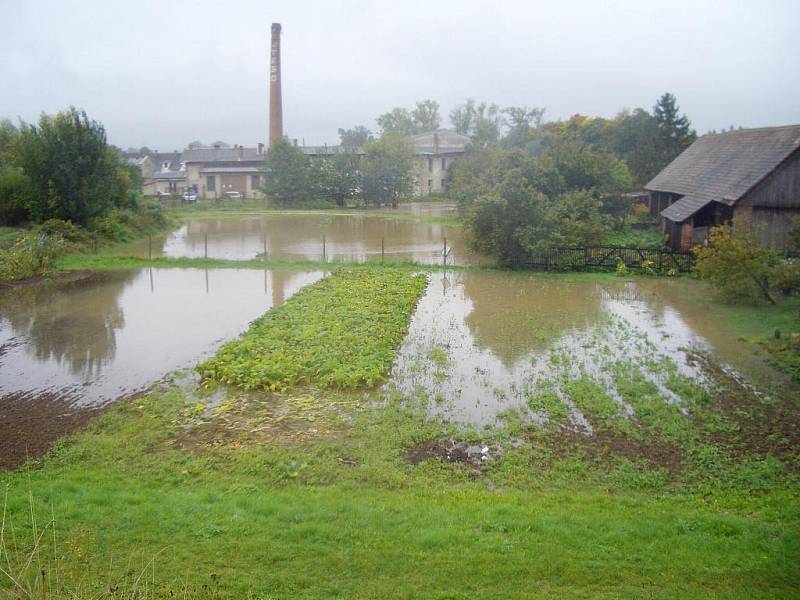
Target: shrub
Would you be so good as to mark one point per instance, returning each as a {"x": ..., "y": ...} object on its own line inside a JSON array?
[
  {"x": 740, "y": 268},
  {"x": 32, "y": 254}
]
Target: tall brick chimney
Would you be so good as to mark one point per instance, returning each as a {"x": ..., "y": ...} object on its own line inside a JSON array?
[{"x": 275, "y": 101}]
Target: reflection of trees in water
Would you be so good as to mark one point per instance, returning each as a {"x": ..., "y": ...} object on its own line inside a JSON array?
[
  {"x": 514, "y": 313},
  {"x": 74, "y": 321}
]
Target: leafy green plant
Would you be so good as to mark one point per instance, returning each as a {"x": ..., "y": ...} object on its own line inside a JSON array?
[{"x": 341, "y": 332}]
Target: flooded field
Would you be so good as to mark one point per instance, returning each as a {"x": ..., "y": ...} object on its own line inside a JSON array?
[
  {"x": 481, "y": 344},
  {"x": 317, "y": 236},
  {"x": 103, "y": 335}
]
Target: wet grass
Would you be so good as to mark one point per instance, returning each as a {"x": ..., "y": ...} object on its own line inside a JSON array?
[{"x": 341, "y": 332}]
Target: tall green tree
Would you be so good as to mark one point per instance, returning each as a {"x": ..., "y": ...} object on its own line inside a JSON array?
[
  {"x": 75, "y": 175},
  {"x": 340, "y": 177},
  {"x": 355, "y": 137},
  {"x": 426, "y": 116},
  {"x": 482, "y": 122},
  {"x": 288, "y": 176},
  {"x": 675, "y": 130},
  {"x": 387, "y": 168},
  {"x": 520, "y": 121},
  {"x": 398, "y": 121}
]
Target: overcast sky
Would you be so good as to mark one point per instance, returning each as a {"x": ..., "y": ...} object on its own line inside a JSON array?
[{"x": 168, "y": 72}]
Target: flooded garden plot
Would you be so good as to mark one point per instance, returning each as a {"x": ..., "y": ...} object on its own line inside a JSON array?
[
  {"x": 314, "y": 236},
  {"x": 83, "y": 341},
  {"x": 579, "y": 353}
]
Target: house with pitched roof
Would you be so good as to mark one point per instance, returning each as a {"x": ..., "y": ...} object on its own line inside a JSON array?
[{"x": 750, "y": 176}]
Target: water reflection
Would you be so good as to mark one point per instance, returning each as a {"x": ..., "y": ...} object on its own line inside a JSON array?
[
  {"x": 109, "y": 334},
  {"x": 313, "y": 236},
  {"x": 481, "y": 343}
]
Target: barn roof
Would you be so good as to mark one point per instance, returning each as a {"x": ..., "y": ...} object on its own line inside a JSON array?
[{"x": 723, "y": 167}]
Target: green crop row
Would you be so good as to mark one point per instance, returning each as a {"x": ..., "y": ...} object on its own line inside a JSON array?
[{"x": 342, "y": 332}]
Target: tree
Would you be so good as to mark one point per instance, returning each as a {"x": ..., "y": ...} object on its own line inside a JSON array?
[
  {"x": 340, "y": 177},
  {"x": 481, "y": 122},
  {"x": 462, "y": 117},
  {"x": 520, "y": 120},
  {"x": 288, "y": 177},
  {"x": 635, "y": 139},
  {"x": 74, "y": 173},
  {"x": 675, "y": 130},
  {"x": 426, "y": 116},
  {"x": 398, "y": 121},
  {"x": 355, "y": 137},
  {"x": 387, "y": 169},
  {"x": 195, "y": 144}
]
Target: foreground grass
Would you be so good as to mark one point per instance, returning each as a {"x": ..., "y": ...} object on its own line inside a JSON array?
[
  {"x": 156, "y": 496},
  {"x": 340, "y": 332}
]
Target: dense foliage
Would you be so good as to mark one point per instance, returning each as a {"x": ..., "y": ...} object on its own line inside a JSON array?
[
  {"x": 380, "y": 175},
  {"x": 516, "y": 202},
  {"x": 61, "y": 168},
  {"x": 744, "y": 270},
  {"x": 342, "y": 332},
  {"x": 558, "y": 183}
]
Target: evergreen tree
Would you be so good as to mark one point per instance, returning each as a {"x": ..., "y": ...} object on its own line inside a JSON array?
[{"x": 675, "y": 130}]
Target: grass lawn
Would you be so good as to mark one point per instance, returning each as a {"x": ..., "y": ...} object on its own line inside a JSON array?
[{"x": 312, "y": 492}]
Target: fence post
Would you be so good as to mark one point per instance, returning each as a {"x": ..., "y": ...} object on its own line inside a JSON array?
[
  {"x": 205, "y": 248},
  {"x": 382, "y": 250},
  {"x": 265, "y": 248},
  {"x": 94, "y": 243},
  {"x": 149, "y": 247},
  {"x": 444, "y": 253},
  {"x": 324, "y": 255}
]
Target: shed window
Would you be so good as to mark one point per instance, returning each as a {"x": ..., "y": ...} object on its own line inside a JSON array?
[
  {"x": 430, "y": 165},
  {"x": 255, "y": 181},
  {"x": 444, "y": 164},
  {"x": 211, "y": 183}
]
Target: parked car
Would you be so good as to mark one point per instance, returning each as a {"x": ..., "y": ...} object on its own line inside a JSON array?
[
  {"x": 189, "y": 196},
  {"x": 233, "y": 194}
]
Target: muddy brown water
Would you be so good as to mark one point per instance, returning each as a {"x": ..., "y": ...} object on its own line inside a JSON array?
[
  {"x": 299, "y": 236},
  {"x": 113, "y": 333},
  {"x": 480, "y": 343}
]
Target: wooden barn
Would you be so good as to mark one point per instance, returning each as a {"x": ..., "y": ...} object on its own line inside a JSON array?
[{"x": 752, "y": 175}]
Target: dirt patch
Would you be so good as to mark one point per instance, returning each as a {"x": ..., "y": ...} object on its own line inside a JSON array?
[
  {"x": 31, "y": 423},
  {"x": 604, "y": 444},
  {"x": 257, "y": 418},
  {"x": 765, "y": 425},
  {"x": 453, "y": 452}
]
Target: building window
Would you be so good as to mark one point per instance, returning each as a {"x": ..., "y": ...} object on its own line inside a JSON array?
[
  {"x": 255, "y": 182},
  {"x": 444, "y": 184},
  {"x": 430, "y": 165},
  {"x": 211, "y": 183},
  {"x": 430, "y": 184},
  {"x": 444, "y": 164}
]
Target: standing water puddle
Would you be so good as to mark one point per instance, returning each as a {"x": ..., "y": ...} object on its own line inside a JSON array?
[
  {"x": 483, "y": 343},
  {"x": 313, "y": 236},
  {"x": 113, "y": 333}
]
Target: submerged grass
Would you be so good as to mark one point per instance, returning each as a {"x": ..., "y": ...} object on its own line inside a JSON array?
[{"x": 341, "y": 332}]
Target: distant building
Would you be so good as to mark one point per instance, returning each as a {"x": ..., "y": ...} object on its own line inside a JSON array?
[
  {"x": 751, "y": 175},
  {"x": 436, "y": 151},
  {"x": 208, "y": 172}
]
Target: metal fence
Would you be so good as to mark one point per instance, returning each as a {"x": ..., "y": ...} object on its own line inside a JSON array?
[{"x": 602, "y": 258}]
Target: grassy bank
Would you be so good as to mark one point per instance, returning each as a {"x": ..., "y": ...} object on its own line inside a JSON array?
[{"x": 311, "y": 495}]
